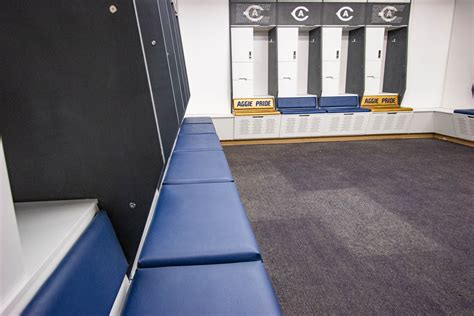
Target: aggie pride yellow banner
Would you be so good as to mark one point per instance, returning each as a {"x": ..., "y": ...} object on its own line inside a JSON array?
[
  {"x": 254, "y": 103},
  {"x": 391, "y": 100}
]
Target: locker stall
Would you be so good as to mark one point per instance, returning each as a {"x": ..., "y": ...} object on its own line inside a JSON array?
[
  {"x": 343, "y": 40},
  {"x": 299, "y": 56},
  {"x": 386, "y": 55}
]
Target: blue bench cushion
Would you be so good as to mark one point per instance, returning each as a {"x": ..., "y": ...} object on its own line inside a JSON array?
[
  {"x": 197, "y": 142},
  {"x": 197, "y": 120},
  {"x": 297, "y": 102},
  {"x": 89, "y": 277},
  {"x": 198, "y": 167},
  {"x": 199, "y": 224},
  {"x": 345, "y": 109},
  {"x": 223, "y": 289},
  {"x": 465, "y": 111},
  {"x": 197, "y": 129},
  {"x": 302, "y": 111},
  {"x": 339, "y": 101}
]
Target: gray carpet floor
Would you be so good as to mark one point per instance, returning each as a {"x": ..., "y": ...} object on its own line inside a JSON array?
[{"x": 363, "y": 228}]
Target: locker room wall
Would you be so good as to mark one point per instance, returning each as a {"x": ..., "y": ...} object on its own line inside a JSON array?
[{"x": 458, "y": 83}]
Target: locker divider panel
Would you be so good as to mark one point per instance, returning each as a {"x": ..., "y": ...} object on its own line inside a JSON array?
[
  {"x": 183, "y": 62},
  {"x": 158, "y": 67},
  {"x": 76, "y": 117},
  {"x": 272, "y": 62},
  {"x": 315, "y": 85},
  {"x": 395, "y": 74},
  {"x": 356, "y": 62}
]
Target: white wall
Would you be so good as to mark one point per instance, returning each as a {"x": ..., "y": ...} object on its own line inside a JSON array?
[
  {"x": 458, "y": 81},
  {"x": 205, "y": 32},
  {"x": 428, "y": 46}
]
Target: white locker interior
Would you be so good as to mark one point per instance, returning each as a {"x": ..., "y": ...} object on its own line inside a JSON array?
[
  {"x": 331, "y": 59},
  {"x": 375, "y": 46},
  {"x": 287, "y": 61}
]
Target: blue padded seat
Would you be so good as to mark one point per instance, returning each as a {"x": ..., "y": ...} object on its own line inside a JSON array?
[
  {"x": 197, "y": 129},
  {"x": 301, "y": 111},
  {"x": 89, "y": 277},
  {"x": 198, "y": 167},
  {"x": 202, "y": 223},
  {"x": 297, "y": 102},
  {"x": 339, "y": 101},
  {"x": 197, "y": 120},
  {"x": 242, "y": 288},
  {"x": 465, "y": 111},
  {"x": 197, "y": 142},
  {"x": 345, "y": 109}
]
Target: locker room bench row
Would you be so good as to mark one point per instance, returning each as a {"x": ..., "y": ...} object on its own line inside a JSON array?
[{"x": 199, "y": 257}]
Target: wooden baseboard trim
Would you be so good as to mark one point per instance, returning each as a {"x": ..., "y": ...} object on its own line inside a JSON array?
[
  {"x": 324, "y": 139},
  {"x": 454, "y": 140}
]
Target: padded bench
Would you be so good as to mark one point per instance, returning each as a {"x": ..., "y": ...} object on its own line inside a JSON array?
[
  {"x": 196, "y": 142},
  {"x": 87, "y": 280},
  {"x": 199, "y": 224},
  {"x": 242, "y": 288},
  {"x": 198, "y": 167},
  {"x": 191, "y": 129},
  {"x": 341, "y": 104},
  {"x": 197, "y": 120},
  {"x": 465, "y": 111},
  {"x": 299, "y": 105}
]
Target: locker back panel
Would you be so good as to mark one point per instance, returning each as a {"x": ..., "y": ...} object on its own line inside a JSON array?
[
  {"x": 314, "y": 62},
  {"x": 395, "y": 75},
  {"x": 355, "y": 62},
  {"x": 159, "y": 70},
  {"x": 183, "y": 63},
  {"x": 76, "y": 115},
  {"x": 272, "y": 62}
]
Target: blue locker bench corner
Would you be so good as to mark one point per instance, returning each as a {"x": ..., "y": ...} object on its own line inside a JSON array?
[{"x": 465, "y": 111}]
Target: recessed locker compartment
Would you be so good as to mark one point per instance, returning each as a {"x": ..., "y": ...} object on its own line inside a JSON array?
[
  {"x": 242, "y": 44},
  {"x": 258, "y": 126},
  {"x": 464, "y": 126},
  {"x": 347, "y": 123},
  {"x": 389, "y": 123},
  {"x": 242, "y": 88},
  {"x": 287, "y": 78},
  {"x": 332, "y": 42},
  {"x": 303, "y": 125},
  {"x": 242, "y": 70},
  {"x": 287, "y": 43},
  {"x": 374, "y": 43}
]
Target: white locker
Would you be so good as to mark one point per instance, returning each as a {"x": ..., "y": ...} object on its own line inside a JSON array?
[
  {"x": 331, "y": 76},
  {"x": 242, "y": 71},
  {"x": 302, "y": 125},
  {"x": 242, "y": 88},
  {"x": 242, "y": 44},
  {"x": 287, "y": 43},
  {"x": 258, "y": 126},
  {"x": 389, "y": 122},
  {"x": 339, "y": 124},
  {"x": 332, "y": 42},
  {"x": 374, "y": 43},
  {"x": 373, "y": 81},
  {"x": 287, "y": 78}
]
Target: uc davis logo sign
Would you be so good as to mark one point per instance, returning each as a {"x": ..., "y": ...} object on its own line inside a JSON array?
[
  {"x": 388, "y": 13},
  {"x": 254, "y": 13},
  {"x": 300, "y": 13},
  {"x": 345, "y": 13}
]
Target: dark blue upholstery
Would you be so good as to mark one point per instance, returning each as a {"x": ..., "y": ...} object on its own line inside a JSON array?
[
  {"x": 345, "y": 109},
  {"x": 465, "y": 111},
  {"x": 89, "y": 277},
  {"x": 223, "y": 289},
  {"x": 301, "y": 111},
  {"x": 198, "y": 167},
  {"x": 197, "y": 129},
  {"x": 339, "y": 101},
  {"x": 297, "y": 102},
  {"x": 197, "y": 142},
  {"x": 212, "y": 222},
  {"x": 197, "y": 120}
]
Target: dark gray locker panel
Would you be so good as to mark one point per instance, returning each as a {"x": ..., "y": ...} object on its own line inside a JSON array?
[
  {"x": 159, "y": 70},
  {"x": 395, "y": 74},
  {"x": 272, "y": 63},
  {"x": 183, "y": 64},
  {"x": 315, "y": 84},
  {"x": 355, "y": 75},
  {"x": 168, "y": 17},
  {"x": 76, "y": 115}
]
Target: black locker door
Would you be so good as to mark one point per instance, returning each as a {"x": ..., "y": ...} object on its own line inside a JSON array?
[
  {"x": 161, "y": 79},
  {"x": 315, "y": 85},
  {"x": 183, "y": 63},
  {"x": 272, "y": 62},
  {"x": 355, "y": 77},
  {"x": 396, "y": 62}
]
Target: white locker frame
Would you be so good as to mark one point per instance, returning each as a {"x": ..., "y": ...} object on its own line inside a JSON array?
[
  {"x": 257, "y": 126},
  {"x": 331, "y": 60}
]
